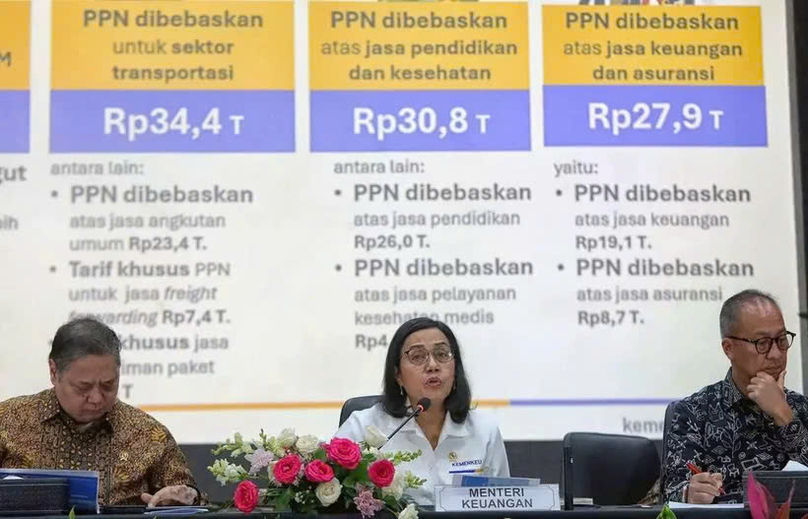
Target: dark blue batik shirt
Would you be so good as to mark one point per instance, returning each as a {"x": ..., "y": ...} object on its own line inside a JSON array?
[{"x": 718, "y": 429}]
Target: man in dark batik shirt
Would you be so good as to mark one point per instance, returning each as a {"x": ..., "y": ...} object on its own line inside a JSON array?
[
  {"x": 747, "y": 421},
  {"x": 80, "y": 424}
]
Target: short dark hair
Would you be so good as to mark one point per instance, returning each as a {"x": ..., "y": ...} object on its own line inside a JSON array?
[
  {"x": 457, "y": 403},
  {"x": 731, "y": 309},
  {"x": 81, "y": 337}
]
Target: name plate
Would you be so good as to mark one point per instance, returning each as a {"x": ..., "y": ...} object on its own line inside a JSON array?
[{"x": 468, "y": 499}]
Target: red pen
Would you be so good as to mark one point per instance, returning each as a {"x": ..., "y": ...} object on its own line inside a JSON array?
[{"x": 695, "y": 470}]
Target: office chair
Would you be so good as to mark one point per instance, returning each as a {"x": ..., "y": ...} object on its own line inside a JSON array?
[
  {"x": 357, "y": 403},
  {"x": 612, "y": 469}
]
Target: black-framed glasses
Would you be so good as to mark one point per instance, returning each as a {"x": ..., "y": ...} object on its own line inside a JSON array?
[
  {"x": 419, "y": 355},
  {"x": 764, "y": 344}
]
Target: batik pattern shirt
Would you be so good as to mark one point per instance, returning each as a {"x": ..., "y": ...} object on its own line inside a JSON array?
[
  {"x": 132, "y": 452},
  {"x": 718, "y": 429}
]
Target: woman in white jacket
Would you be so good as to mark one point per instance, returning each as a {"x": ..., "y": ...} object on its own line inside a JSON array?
[{"x": 423, "y": 360}]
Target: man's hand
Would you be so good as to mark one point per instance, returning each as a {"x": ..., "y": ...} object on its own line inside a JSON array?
[
  {"x": 770, "y": 396},
  {"x": 704, "y": 487},
  {"x": 173, "y": 495}
]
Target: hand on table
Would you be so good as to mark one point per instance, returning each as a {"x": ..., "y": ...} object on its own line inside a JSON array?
[{"x": 173, "y": 495}]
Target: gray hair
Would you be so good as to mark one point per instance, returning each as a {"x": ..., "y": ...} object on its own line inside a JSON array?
[
  {"x": 81, "y": 337},
  {"x": 731, "y": 308}
]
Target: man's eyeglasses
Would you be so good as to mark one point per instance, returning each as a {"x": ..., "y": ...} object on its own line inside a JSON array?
[
  {"x": 420, "y": 356},
  {"x": 764, "y": 344}
]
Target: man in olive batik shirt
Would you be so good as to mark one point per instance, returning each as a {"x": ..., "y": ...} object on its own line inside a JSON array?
[{"x": 79, "y": 424}]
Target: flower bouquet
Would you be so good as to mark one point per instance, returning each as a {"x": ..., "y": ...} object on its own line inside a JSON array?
[{"x": 302, "y": 474}]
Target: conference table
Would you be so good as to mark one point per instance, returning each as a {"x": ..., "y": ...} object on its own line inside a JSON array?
[{"x": 633, "y": 512}]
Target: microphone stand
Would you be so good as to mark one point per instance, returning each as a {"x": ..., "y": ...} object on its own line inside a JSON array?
[
  {"x": 418, "y": 410},
  {"x": 405, "y": 422}
]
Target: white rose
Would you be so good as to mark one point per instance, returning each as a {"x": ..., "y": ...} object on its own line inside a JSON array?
[
  {"x": 287, "y": 438},
  {"x": 376, "y": 453},
  {"x": 307, "y": 444},
  {"x": 374, "y": 437},
  {"x": 396, "y": 488},
  {"x": 408, "y": 513},
  {"x": 328, "y": 492}
]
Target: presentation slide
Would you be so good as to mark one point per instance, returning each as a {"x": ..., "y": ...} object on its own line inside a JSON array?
[{"x": 255, "y": 194}]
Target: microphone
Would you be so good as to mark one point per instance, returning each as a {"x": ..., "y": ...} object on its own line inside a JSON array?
[{"x": 422, "y": 405}]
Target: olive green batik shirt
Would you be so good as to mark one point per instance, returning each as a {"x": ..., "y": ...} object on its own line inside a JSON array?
[{"x": 132, "y": 452}]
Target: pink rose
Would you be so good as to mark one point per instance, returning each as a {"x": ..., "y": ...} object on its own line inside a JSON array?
[
  {"x": 345, "y": 452},
  {"x": 381, "y": 472},
  {"x": 246, "y": 496},
  {"x": 319, "y": 472},
  {"x": 287, "y": 469}
]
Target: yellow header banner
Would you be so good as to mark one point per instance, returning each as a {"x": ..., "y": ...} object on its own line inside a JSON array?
[
  {"x": 15, "y": 44},
  {"x": 418, "y": 46},
  {"x": 179, "y": 45},
  {"x": 652, "y": 45}
]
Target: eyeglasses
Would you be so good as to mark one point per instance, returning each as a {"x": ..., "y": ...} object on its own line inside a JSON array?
[
  {"x": 764, "y": 344},
  {"x": 420, "y": 356}
]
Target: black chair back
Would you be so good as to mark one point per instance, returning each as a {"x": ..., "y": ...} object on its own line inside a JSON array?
[
  {"x": 667, "y": 428},
  {"x": 357, "y": 403},
  {"x": 612, "y": 469}
]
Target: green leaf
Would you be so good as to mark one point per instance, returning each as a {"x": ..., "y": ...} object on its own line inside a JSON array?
[
  {"x": 72, "y": 514},
  {"x": 360, "y": 473},
  {"x": 282, "y": 502},
  {"x": 349, "y": 493},
  {"x": 391, "y": 502},
  {"x": 666, "y": 513}
]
